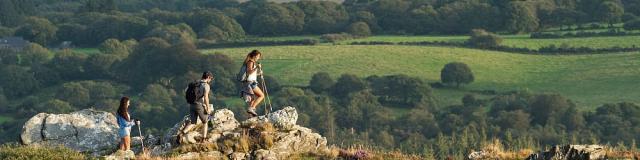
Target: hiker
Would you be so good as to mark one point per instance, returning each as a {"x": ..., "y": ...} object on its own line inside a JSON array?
[
  {"x": 125, "y": 122},
  {"x": 250, "y": 82},
  {"x": 200, "y": 107}
]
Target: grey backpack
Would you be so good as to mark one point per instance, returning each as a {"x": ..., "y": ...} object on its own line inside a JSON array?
[{"x": 242, "y": 75}]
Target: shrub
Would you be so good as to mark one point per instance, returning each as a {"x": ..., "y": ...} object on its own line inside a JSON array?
[
  {"x": 483, "y": 39},
  {"x": 359, "y": 29},
  {"x": 335, "y": 37}
]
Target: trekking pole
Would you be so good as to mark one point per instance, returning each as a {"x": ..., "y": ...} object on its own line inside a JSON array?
[
  {"x": 266, "y": 93},
  {"x": 141, "y": 138}
]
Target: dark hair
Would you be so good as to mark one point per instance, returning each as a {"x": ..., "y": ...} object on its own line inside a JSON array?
[
  {"x": 206, "y": 75},
  {"x": 251, "y": 55},
  {"x": 122, "y": 110}
]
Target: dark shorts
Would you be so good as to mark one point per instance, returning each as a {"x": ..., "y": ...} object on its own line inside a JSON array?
[{"x": 195, "y": 111}]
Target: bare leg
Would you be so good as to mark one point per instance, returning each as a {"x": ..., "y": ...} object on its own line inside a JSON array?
[
  {"x": 122, "y": 144},
  {"x": 127, "y": 143},
  {"x": 188, "y": 127},
  {"x": 204, "y": 131},
  {"x": 259, "y": 97}
]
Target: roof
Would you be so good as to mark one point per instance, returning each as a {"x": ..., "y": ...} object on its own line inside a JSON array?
[{"x": 13, "y": 42}]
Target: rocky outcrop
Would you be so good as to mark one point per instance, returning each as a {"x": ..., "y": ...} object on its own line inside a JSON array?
[
  {"x": 571, "y": 152},
  {"x": 269, "y": 137},
  {"x": 273, "y": 136},
  {"x": 89, "y": 131}
]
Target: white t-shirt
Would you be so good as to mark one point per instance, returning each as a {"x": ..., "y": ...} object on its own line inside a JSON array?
[{"x": 253, "y": 77}]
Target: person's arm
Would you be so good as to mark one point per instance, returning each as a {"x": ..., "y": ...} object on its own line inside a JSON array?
[
  {"x": 130, "y": 122},
  {"x": 250, "y": 67},
  {"x": 206, "y": 98}
]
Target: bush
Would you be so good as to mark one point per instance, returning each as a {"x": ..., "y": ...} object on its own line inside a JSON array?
[
  {"x": 359, "y": 29},
  {"x": 483, "y": 39},
  {"x": 335, "y": 37},
  {"x": 29, "y": 152},
  {"x": 632, "y": 24}
]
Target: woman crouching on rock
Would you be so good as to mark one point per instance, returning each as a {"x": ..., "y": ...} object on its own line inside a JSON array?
[{"x": 125, "y": 122}]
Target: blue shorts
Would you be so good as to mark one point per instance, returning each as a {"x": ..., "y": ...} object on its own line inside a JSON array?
[
  {"x": 253, "y": 85},
  {"x": 124, "y": 132}
]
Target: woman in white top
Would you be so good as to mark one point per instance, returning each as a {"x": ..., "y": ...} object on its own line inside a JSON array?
[{"x": 254, "y": 69}]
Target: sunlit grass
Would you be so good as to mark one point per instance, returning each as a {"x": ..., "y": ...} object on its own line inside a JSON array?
[{"x": 589, "y": 80}]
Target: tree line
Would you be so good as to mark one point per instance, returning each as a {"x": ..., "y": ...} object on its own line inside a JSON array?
[{"x": 90, "y": 22}]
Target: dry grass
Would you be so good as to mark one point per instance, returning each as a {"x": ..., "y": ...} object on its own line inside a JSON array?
[
  {"x": 621, "y": 153},
  {"x": 12, "y": 151},
  {"x": 497, "y": 151},
  {"x": 243, "y": 143},
  {"x": 198, "y": 147}
]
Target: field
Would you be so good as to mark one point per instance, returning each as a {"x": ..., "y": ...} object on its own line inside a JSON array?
[
  {"x": 4, "y": 118},
  {"x": 589, "y": 80},
  {"x": 521, "y": 41}
]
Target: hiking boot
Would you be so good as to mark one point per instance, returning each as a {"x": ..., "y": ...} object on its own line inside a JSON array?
[{"x": 252, "y": 112}]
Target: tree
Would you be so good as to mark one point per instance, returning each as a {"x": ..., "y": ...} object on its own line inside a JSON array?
[
  {"x": 201, "y": 19},
  {"x": 425, "y": 20},
  {"x": 34, "y": 54},
  {"x": 118, "y": 26},
  {"x": 68, "y": 65},
  {"x": 400, "y": 90},
  {"x": 462, "y": 16},
  {"x": 213, "y": 33},
  {"x": 632, "y": 25},
  {"x": 560, "y": 17},
  {"x": 75, "y": 94},
  {"x": 157, "y": 95},
  {"x": 347, "y": 83},
  {"x": 12, "y": 11},
  {"x": 321, "y": 82},
  {"x": 391, "y": 14},
  {"x": 322, "y": 17},
  {"x": 521, "y": 17},
  {"x": 115, "y": 47},
  {"x": 17, "y": 81},
  {"x": 359, "y": 29},
  {"x": 276, "y": 19},
  {"x": 610, "y": 12},
  {"x": 72, "y": 32},
  {"x": 456, "y": 72},
  {"x": 518, "y": 120},
  {"x": 149, "y": 62},
  {"x": 548, "y": 108},
  {"x": 6, "y": 32},
  {"x": 366, "y": 17},
  {"x": 55, "y": 106},
  {"x": 98, "y": 66},
  {"x": 174, "y": 33},
  {"x": 483, "y": 39},
  {"x": 38, "y": 30},
  {"x": 99, "y": 6}
]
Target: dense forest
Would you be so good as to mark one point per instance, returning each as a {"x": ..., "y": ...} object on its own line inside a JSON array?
[
  {"x": 149, "y": 50},
  {"x": 90, "y": 22}
]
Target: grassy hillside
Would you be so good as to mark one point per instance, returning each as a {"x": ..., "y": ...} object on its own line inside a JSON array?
[
  {"x": 589, "y": 80},
  {"x": 520, "y": 41}
]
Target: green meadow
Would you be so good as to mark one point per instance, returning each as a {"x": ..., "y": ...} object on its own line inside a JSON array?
[
  {"x": 521, "y": 41},
  {"x": 589, "y": 80}
]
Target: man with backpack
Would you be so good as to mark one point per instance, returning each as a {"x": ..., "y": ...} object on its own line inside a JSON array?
[{"x": 197, "y": 96}]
